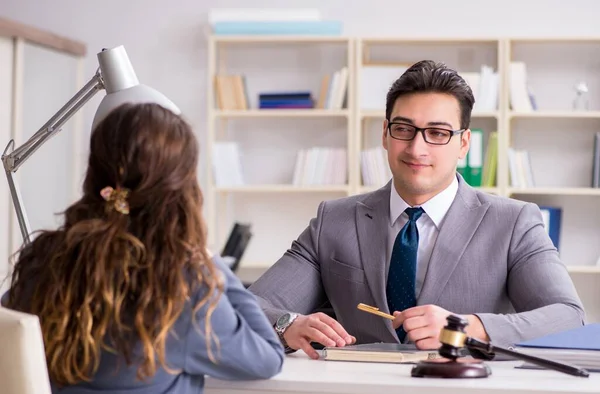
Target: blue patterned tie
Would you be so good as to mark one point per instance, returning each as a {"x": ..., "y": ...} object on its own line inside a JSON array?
[{"x": 400, "y": 289}]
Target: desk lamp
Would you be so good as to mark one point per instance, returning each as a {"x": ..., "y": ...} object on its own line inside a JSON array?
[
  {"x": 454, "y": 343},
  {"x": 115, "y": 74}
]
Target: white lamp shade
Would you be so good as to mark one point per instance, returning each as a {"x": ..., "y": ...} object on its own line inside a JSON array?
[
  {"x": 122, "y": 86},
  {"x": 136, "y": 95}
]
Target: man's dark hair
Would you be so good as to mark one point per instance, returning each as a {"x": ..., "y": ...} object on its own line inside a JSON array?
[{"x": 428, "y": 76}]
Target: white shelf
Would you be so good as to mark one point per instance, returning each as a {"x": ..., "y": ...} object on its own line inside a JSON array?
[
  {"x": 434, "y": 40},
  {"x": 380, "y": 114},
  {"x": 556, "y": 114},
  {"x": 583, "y": 269},
  {"x": 557, "y": 191},
  {"x": 284, "y": 189},
  {"x": 493, "y": 190},
  {"x": 281, "y": 113},
  {"x": 300, "y": 39}
]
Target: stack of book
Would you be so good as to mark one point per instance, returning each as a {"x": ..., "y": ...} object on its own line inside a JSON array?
[
  {"x": 285, "y": 100},
  {"x": 321, "y": 166},
  {"x": 268, "y": 21},
  {"x": 521, "y": 97},
  {"x": 374, "y": 167},
  {"x": 478, "y": 168},
  {"x": 334, "y": 90},
  {"x": 485, "y": 87},
  {"x": 520, "y": 170}
]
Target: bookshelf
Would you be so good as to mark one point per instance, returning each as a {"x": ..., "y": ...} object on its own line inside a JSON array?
[
  {"x": 283, "y": 132},
  {"x": 561, "y": 161},
  {"x": 559, "y": 138},
  {"x": 379, "y": 61}
]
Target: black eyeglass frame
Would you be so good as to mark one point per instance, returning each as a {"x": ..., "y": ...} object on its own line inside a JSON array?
[{"x": 422, "y": 131}]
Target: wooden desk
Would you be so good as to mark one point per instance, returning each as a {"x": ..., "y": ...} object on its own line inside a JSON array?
[{"x": 302, "y": 375}]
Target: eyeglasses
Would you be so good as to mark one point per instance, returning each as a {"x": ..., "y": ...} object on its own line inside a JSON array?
[{"x": 431, "y": 135}]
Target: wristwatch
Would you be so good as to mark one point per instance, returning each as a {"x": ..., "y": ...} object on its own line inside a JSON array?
[{"x": 282, "y": 324}]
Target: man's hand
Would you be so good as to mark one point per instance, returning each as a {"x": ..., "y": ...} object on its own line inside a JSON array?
[
  {"x": 424, "y": 323},
  {"x": 317, "y": 327}
]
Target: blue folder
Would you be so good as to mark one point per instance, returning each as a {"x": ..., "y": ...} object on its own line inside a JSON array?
[{"x": 581, "y": 338}]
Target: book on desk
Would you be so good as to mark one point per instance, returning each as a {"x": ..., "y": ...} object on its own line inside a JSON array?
[
  {"x": 579, "y": 346},
  {"x": 379, "y": 353}
]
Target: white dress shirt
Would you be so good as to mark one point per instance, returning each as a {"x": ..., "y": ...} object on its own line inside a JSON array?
[{"x": 428, "y": 226}]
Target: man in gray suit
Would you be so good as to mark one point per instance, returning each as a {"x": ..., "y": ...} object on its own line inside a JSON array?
[{"x": 424, "y": 246}]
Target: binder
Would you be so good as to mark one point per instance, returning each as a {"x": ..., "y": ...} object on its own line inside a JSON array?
[
  {"x": 475, "y": 158},
  {"x": 552, "y": 217},
  {"x": 586, "y": 337}
]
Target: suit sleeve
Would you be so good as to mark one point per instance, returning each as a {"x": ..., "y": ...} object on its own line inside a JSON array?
[
  {"x": 247, "y": 348},
  {"x": 293, "y": 283},
  {"x": 539, "y": 287}
]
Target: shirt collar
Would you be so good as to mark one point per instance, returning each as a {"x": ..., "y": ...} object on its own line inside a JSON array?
[{"x": 436, "y": 208}]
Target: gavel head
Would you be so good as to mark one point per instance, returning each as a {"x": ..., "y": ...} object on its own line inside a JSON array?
[{"x": 453, "y": 337}]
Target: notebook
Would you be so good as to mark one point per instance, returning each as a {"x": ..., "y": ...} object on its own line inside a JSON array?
[{"x": 379, "y": 353}]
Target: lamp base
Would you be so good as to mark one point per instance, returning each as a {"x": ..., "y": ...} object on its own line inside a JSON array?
[{"x": 450, "y": 369}]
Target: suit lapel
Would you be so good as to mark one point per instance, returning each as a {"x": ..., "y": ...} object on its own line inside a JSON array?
[
  {"x": 372, "y": 219},
  {"x": 457, "y": 229}
]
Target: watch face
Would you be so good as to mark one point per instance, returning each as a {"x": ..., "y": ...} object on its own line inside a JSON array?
[{"x": 283, "y": 320}]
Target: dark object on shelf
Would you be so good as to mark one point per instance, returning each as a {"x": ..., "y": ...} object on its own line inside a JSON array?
[{"x": 236, "y": 244}]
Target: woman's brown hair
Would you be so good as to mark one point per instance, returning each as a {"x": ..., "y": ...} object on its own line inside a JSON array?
[{"x": 108, "y": 278}]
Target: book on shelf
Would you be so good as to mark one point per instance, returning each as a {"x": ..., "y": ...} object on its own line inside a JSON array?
[
  {"x": 596, "y": 164},
  {"x": 475, "y": 158},
  {"x": 285, "y": 100},
  {"x": 520, "y": 170},
  {"x": 479, "y": 168},
  {"x": 485, "y": 87},
  {"x": 521, "y": 98},
  {"x": 321, "y": 166},
  {"x": 271, "y": 21},
  {"x": 227, "y": 167},
  {"x": 490, "y": 164},
  {"x": 334, "y": 90},
  {"x": 375, "y": 170},
  {"x": 316, "y": 28},
  {"x": 230, "y": 92},
  {"x": 552, "y": 219},
  {"x": 379, "y": 353}
]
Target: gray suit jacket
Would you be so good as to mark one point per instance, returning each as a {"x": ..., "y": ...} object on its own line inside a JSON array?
[{"x": 492, "y": 258}]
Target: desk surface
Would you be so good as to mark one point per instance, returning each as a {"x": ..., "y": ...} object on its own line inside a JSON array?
[{"x": 302, "y": 375}]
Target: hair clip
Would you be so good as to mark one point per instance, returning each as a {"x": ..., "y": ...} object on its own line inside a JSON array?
[{"x": 118, "y": 197}]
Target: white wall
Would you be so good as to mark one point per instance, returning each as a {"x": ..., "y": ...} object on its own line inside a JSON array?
[{"x": 166, "y": 42}]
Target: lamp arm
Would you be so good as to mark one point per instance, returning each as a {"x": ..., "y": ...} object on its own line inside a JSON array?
[{"x": 12, "y": 158}]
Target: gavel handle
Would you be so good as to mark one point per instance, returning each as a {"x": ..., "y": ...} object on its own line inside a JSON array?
[{"x": 488, "y": 349}]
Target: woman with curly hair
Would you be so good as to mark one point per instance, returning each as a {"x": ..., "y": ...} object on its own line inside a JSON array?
[{"x": 128, "y": 297}]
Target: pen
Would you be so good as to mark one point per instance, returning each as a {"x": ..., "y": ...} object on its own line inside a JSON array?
[{"x": 373, "y": 310}]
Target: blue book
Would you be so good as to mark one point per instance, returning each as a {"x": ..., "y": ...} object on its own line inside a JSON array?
[
  {"x": 325, "y": 28},
  {"x": 286, "y": 101},
  {"x": 552, "y": 217},
  {"x": 581, "y": 338},
  {"x": 284, "y": 96}
]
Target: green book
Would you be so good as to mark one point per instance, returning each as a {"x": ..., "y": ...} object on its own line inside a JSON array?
[
  {"x": 490, "y": 164},
  {"x": 463, "y": 168},
  {"x": 475, "y": 158}
]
